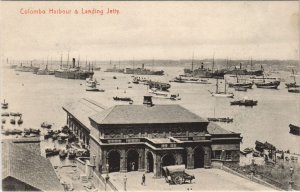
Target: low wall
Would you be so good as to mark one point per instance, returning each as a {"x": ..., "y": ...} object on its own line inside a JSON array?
[
  {"x": 100, "y": 182},
  {"x": 254, "y": 179}
]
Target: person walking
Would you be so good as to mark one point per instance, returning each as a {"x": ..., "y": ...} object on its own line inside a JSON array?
[{"x": 143, "y": 179}]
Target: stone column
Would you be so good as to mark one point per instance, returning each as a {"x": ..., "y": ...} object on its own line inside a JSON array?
[
  {"x": 141, "y": 159},
  {"x": 190, "y": 158},
  {"x": 207, "y": 157},
  {"x": 123, "y": 161},
  {"x": 104, "y": 162},
  {"x": 157, "y": 166}
]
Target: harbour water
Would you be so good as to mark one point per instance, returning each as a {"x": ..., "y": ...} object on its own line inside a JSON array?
[{"x": 41, "y": 97}]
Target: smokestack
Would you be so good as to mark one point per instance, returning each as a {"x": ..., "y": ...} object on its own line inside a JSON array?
[
  {"x": 148, "y": 101},
  {"x": 240, "y": 65},
  {"x": 143, "y": 65},
  {"x": 202, "y": 65},
  {"x": 73, "y": 60}
]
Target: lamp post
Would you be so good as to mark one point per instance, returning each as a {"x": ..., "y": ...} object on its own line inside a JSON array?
[
  {"x": 125, "y": 182},
  {"x": 291, "y": 182},
  {"x": 107, "y": 176}
]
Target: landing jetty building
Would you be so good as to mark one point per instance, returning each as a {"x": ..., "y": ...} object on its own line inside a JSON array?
[{"x": 147, "y": 137}]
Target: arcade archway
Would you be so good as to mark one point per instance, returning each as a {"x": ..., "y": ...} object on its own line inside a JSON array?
[
  {"x": 198, "y": 157},
  {"x": 132, "y": 160},
  {"x": 168, "y": 160},
  {"x": 114, "y": 161},
  {"x": 150, "y": 162}
]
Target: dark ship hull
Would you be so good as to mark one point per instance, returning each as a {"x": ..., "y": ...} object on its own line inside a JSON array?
[
  {"x": 245, "y": 85},
  {"x": 73, "y": 73},
  {"x": 158, "y": 85},
  {"x": 142, "y": 71},
  {"x": 245, "y": 72},
  {"x": 205, "y": 73},
  {"x": 294, "y": 129},
  {"x": 67, "y": 74},
  {"x": 268, "y": 85}
]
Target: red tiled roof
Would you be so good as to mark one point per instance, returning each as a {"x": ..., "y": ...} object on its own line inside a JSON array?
[
  {"x": 28, "y": 167},
  {"x": 141, "y": 114}
]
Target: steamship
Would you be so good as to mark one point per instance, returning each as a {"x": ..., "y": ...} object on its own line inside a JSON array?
[
  {"x": 73, "y": 73},
  {"x": 142, "y": 71}
]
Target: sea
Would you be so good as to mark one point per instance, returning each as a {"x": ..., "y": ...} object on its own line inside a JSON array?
[{"x": 41, "y": 98}]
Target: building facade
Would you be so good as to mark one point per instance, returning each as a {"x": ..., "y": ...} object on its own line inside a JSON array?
[{"x": 148, "y": 137}]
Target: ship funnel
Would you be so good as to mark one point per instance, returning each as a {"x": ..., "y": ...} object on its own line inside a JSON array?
[
  {"x": 148, "y": 101},
  {"x": 73, "y": 60}
]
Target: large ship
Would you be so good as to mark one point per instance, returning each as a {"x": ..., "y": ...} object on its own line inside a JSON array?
[
  {"x": 30, "y": 68},
  {"x": 142, "y": 71},
  {"x": 202, "y": 72},
  {"x": 73, "y": 73},
  {"x": 241, "y": 71},
  {"x": 115, "y": 70},
  {"x": 45, "y": 71}
]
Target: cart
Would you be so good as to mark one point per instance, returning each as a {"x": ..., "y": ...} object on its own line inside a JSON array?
[{"x": 176, "y": 174}]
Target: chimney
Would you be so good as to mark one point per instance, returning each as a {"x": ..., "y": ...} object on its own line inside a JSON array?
[
  {"x": 73, "y": 62},
  {"x": 202, "y": 65},
  {"x": 148, "y": 101},
  {"x": 143, "y": 65},
  {"x": 240, "y": 65}
]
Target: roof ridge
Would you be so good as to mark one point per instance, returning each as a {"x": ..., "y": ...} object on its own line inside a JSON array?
[
  {"x": 95, "y": 103},
  {"x": 110, "y": 109}
]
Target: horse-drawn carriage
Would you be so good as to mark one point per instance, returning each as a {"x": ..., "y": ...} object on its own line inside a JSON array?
[{"x": 176, "y": 174}]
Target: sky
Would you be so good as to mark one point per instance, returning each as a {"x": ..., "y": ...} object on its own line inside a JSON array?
[{"x": 153, "y": 30}]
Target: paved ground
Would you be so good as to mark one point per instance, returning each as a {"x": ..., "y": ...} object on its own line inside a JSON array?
[
  {"x": 71, "y": 177},
  {"x": 206, "y": 179}
]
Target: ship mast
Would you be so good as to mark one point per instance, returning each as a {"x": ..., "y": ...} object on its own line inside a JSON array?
[
  {"x": 68, "y": 61},
  {"x": 213, "y": 64},
  {"x": 60, "y": 61},
  {"x": 294, "y": 75},
  {"x": 217, "y": 86},
  {"x": 193, "y": 63},
  {"x": 78, "y": 62}
]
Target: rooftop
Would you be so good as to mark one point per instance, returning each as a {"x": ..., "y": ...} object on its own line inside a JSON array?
[
  {"x": 28, "y": 167},
  {"x": 83, "y": 109},
  {"x": 214, "y": 129},
  {"x": 141, "y": 114}
]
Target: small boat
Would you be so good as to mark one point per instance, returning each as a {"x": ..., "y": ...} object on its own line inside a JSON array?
[
  {"x": 292, "y": 84},
  {"x": 221, "y": 119},
  {"x": 13, "y": 121},
  {"x": 4, "y": 105},
  {"x": 16, "y": 131},
  {"x": 51, "y": 152},
  {"x": 294, "y": 129},
  {"x": 114, "y": 77},
  {"x": 17, "y": 114},
  {"x": 221, "y": 94},
  {"x": 54, "y": 136},
  {"x": 65, "y": 129},
  {"x": 163, "y": 95},
  {"x": 72, "y": 153},
  {"x": 5, "y": 114},
  {"x": 20, "y": 121},
  {"x": 268, "y": 85},
  {"x": 248, "y": 150},
  {"x": 181, "y": 79},
  {"x": 240, "y": 89},
  {"x": 245, "y": 102},
  {"x": 294, "y": 89},
  {"x": 46, "y": 125},
  {"x": 3, "y": 121},
  {"x": 63, "y": 154},
  {"x": 28, "y": 131},
  {"x": 122, "y": 98},
  {"x": 272, "y": 84}
]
